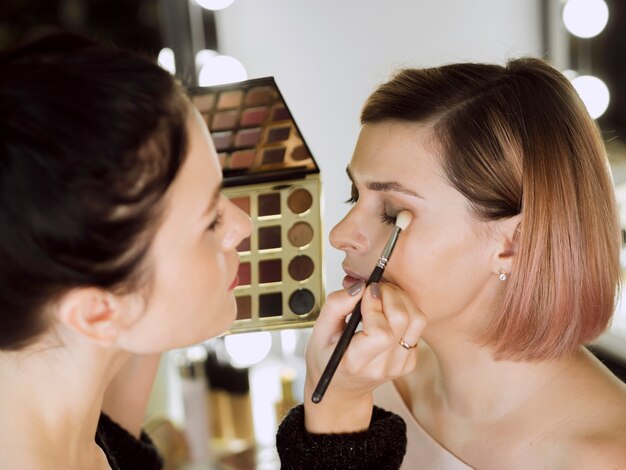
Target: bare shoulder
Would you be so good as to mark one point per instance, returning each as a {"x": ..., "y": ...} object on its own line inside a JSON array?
[{"x": 604, "y": 448}]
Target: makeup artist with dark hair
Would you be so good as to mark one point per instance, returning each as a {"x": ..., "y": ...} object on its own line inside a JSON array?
[{"x": 116, "y": 245}]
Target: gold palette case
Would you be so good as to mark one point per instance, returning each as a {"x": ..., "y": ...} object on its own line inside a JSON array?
[{"x": 269, "y": 173}]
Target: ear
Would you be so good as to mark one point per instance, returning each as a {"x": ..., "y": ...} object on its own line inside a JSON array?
[
  {"x": 506, "y": 234},
  {"x": 91, "y": 313}
]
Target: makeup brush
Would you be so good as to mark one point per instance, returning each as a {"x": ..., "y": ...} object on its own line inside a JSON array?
[{"x": 402, "y": 221}]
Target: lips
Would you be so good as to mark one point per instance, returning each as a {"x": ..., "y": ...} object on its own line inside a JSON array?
[
  {"x": 351, "y": 278},
  {"x": 235, "y": 282}
]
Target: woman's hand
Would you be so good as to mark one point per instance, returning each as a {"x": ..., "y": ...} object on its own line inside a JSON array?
[{"x": 373, "y": 357}]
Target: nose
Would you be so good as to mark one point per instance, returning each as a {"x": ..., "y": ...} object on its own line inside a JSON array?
[
  {"x": 347, "y": 235},
  {"x": 238, "y": 226}
]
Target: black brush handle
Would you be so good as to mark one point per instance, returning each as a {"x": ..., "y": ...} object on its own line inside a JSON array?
[{"x": 344, "y": 341}]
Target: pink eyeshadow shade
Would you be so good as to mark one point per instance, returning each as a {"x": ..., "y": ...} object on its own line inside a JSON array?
[
  {"x": 222, "y": 140},
  {"x": 253, "y": 116},
  {"x": 224, "y": 120},
  {"x": 248, "y": 137},
  {"x": 242, "y": 159}
]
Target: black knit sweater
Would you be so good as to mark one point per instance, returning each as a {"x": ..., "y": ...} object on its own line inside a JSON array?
[
  {"x": 380, "y": 447},
  {"x": 123, "y": 450}
]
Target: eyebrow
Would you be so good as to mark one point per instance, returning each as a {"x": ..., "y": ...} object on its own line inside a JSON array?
[
  {"x": 385, "y": 186},
  {"x": 214, "y": 199}
]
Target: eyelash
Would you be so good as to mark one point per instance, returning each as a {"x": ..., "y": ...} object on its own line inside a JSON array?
[
  {"x": 219, "y": 217},
  {"x": 384, "y": 217}
]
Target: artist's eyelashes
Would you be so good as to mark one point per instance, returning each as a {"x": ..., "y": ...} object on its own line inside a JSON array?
[
  {"x": 217, "y": 221},
  {"x": 354, "y": 195}
]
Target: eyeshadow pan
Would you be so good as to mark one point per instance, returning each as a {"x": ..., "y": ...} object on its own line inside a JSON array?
[
  {"x": 269, "y": 237},
  {"x": 300, "y": 234},
  {"x": 243, "y": 203},
  {"x": 274, "y": 155},
  {"x": 300, "y": 153},
  {"x": 301, "y": 267},
  {"x": 244, "y": 307},
  {"x": 259, "y": 95},
  {"x": 278, "y": 134},
  {"x": 268, "y": 204},
  {"x": 280, "y": 113},
  {"x": 244, "y": 274},
  {"x": 242, "y": 159},
  {"x": 224, "y": 120},
  {"x": 270, "y": 270},
  {"x": 301, "y": 301},
  {"x": 222, "y": 140},
  {"x": 244, "y": 245},
  {"x": 204, "y": 103},
  {"x": 271, "y": 305},
  {"x": 230, "y": 99},
  {"x": 253, "y": 116},
  {"x": 300, "y": 201},
  {"x": 248, "y": 137}
]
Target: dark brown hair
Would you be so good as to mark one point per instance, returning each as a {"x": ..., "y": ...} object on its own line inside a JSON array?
[
  {"x": 91, "y": 137},
  {"x": 516, "y": 139}
]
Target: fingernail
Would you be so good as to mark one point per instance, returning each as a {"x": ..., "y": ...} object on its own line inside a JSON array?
[
  {"x": 354, "y": 289},
  {"x": 375, "y": 290}
]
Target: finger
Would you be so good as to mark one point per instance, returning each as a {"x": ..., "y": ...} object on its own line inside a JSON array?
[
  {"x": 375, "y": 337},
  {"x": 415, "y": 320},
  {"x": 394, "y": 308},
  {"x": 337, "y": 307}
]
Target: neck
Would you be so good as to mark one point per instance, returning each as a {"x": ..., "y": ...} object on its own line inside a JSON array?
[
  {"x": 468, "y": 382},
  {"x": 50, "y": 400}
]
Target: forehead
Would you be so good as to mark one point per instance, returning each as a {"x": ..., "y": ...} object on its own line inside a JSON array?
[{"x": 396, "y": 151}]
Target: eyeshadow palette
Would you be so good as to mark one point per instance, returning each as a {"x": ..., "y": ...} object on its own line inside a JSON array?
[{"x": 270, "y": 174}]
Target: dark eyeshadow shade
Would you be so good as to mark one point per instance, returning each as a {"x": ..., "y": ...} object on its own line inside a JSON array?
[
  {"x": 243, "y": 202},
  {"x": 269, "y": 237},
  {"x": 244, "y": 307},
  {"x": 280, "y": 113},
  {"x": 269, "y": 204},
  {"x": 258, "y": 96},
  {"x": 224, "y": 120},
  {"x": 230, "y": 99},
  {"x": 301, "y": 267},
  {"x": 278, "y": 134},
  {"x": 248, "y": 137},
  {"x": 271, "y": 305},
  {"x": 253, "y": 116},
  {"x": 244, "y": 246},
  {"x": 274, "y": 155},
  {"x": 302, "y": 301},
  {"x": 300, "y": 153},
  {"x": 204, "y": 103},
  {"x": 300, "y": 234},
  {"x": 300, "y": 201},
  {"x": 222, "y": 140},
  {"x": 244, "y": 274},
  {"x": 270, "y": 271},
  {"x": 242, "y": 159}
]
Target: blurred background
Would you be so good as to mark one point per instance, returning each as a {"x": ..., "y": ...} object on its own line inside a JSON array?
[{"x": 326, "y": 57}]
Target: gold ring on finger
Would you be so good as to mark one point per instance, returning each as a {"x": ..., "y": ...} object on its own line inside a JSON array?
[{"x": 406, "y": 345}]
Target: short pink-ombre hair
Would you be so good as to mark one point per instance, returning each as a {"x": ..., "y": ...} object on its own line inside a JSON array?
[{"x": 517, "y": 140}]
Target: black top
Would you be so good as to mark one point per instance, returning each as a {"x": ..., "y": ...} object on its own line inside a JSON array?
[
  {"x": 123, "y": 450},
  {"x": 381, "y": 447}
]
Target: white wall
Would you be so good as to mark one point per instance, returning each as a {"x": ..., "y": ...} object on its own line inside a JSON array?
[{"x": 327, "y": 56}]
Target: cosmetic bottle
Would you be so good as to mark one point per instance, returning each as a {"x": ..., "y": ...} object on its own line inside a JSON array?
[
  {"x": 287, "y": 400},
  {"x": 193, "y": 382}
]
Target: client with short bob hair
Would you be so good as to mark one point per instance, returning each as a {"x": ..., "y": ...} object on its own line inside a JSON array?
[{"x": 511, "y": 263}]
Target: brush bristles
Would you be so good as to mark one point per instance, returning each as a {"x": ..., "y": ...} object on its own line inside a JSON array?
[{"x": 403, "y": 220}]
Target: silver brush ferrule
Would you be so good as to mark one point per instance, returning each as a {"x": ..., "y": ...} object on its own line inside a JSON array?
[{"x": 384, "y": 257}]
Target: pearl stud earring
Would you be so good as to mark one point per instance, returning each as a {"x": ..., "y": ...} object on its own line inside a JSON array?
[{"x": 501, "y": 274}]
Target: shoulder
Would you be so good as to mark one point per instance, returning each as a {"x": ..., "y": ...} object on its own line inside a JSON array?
[{"x": 606, "y": 450}]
